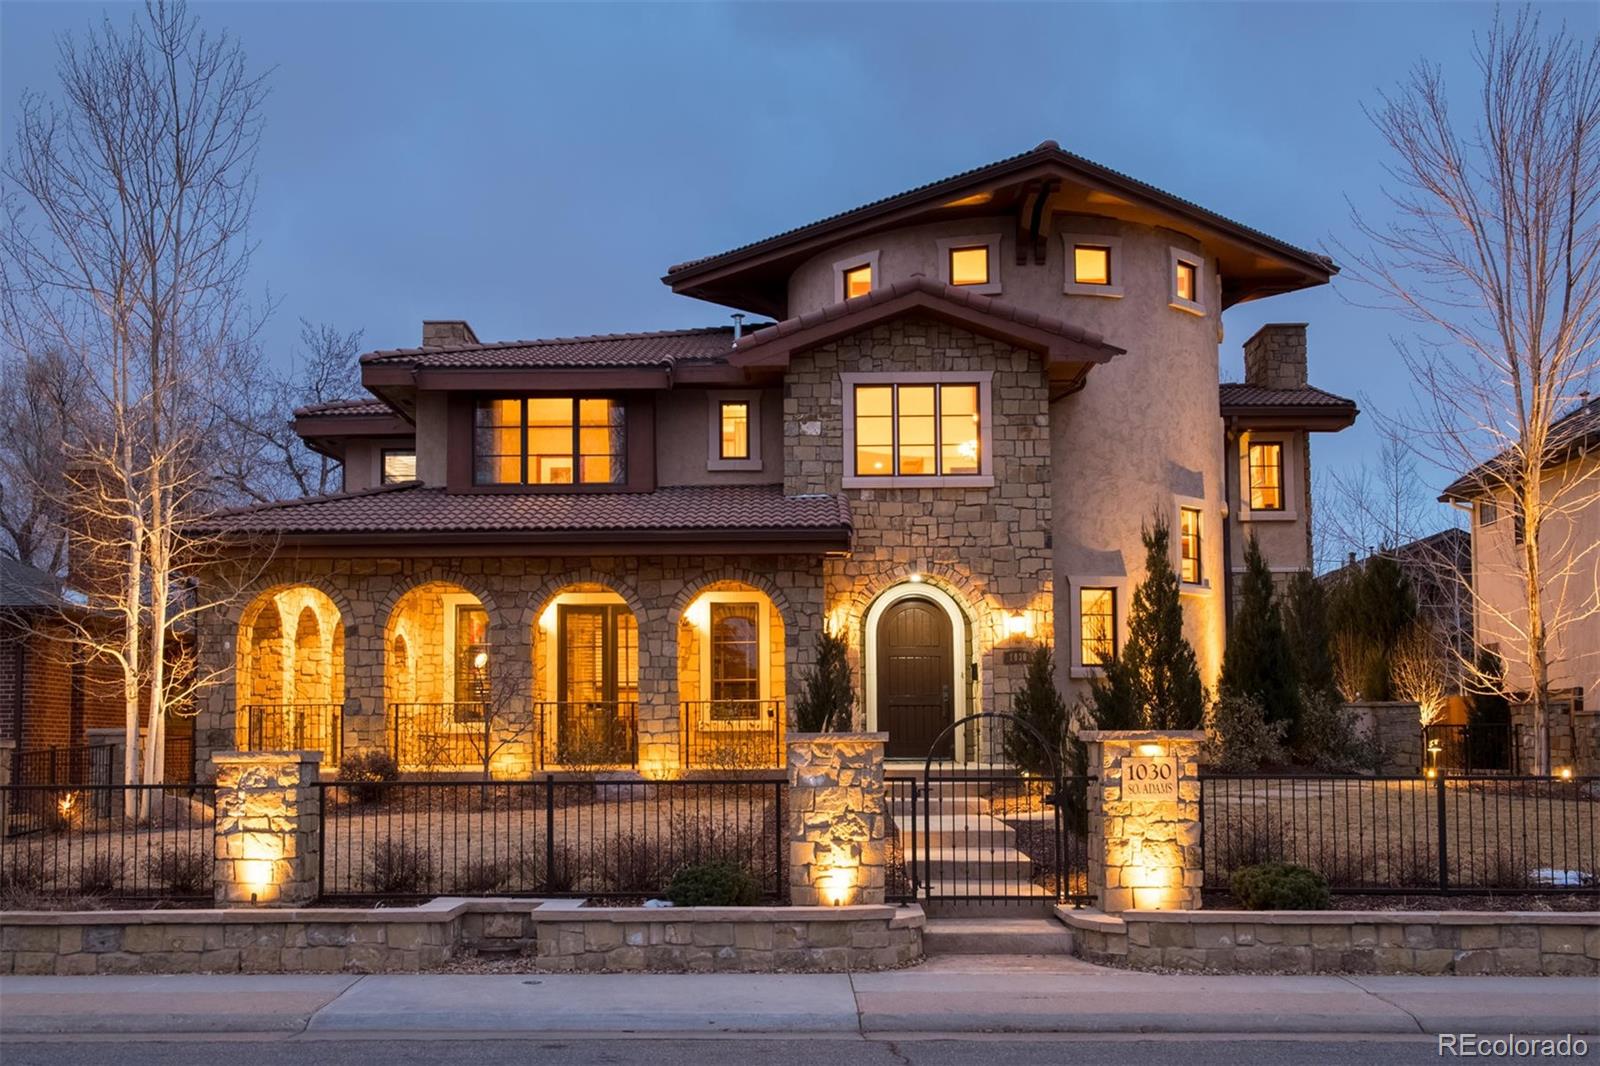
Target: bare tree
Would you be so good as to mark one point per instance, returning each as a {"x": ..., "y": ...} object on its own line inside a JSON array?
[
  {"x": 1493, "y": 248},
  {"x": 125, "y": 249},
  {"x": 37, "y": 392},
  {"x": 1377, "y": 505},
  {"x": 1421, "y": 670},
  {"x": 264, "y": 459}
]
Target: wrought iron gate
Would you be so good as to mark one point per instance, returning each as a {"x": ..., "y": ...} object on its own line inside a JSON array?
[{"x": 988, "y": 818}]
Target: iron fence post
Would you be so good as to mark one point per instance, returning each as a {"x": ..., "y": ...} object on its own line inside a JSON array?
[
  {"x": 549, "y": 831},
  {"x": 911, "y": 860},
  {"x": 779, "y": 790},
  {"x": 1444, "y": 848},
  {"x": 322, "y": 837}
]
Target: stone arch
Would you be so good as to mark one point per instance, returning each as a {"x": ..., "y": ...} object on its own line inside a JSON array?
[
  {"x": 289, "y": 669},
  {"x": 960, "y": 617},
  {"x": 691, "y": 680},
  {"x": 444, "y": 686}
]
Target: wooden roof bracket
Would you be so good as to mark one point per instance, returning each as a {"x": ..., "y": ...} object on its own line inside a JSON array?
[{"x": 1033, "y": 238}]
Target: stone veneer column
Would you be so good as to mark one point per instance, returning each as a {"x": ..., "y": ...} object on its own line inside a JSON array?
[
  {"x": 1144, "y": 828},
  {"x": 266, "y": 828},
  {"x": 838, "y": 820}
]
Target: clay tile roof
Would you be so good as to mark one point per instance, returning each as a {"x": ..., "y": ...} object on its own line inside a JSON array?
[
  {"x": 659, "y": 349},
  {"x": 1574, "y": 434},
  {"x": 917, "y": 284},
  {"x": 1238, "y": 394},
  {"x": 364, "y": 407},
  {"x": 411, "y": 507}
]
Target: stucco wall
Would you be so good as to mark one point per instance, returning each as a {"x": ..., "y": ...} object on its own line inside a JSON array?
[
  {"x": 432, "y": 434},
  {"x": 683, "y": 435},
  {"x": 1285, "y": 536}
]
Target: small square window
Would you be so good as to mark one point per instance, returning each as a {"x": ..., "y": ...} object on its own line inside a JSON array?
[
  {"x": 1185, "y": 281},
  {"x": 1091, "y": 264},
  {"x": 734, "y": 430},
  {"x": 969, "y": 266},
  {"x": 1189, "y": 545},
  {"x": 1097, "y": 626},
  {"x": 858, "y": 281},
  {"x": 399, "y": 466},
  {"x": 1488, "y": 513}
]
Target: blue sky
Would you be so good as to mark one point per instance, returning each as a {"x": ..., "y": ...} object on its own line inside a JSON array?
[{"x": 534, "y": 168}]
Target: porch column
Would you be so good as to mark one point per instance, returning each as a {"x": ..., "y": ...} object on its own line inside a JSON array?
[
  {"x": 1144, "y": 819},
  {"x": 838, "y": 820}
]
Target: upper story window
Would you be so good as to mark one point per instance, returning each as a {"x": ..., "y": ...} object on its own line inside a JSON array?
[
  {"x": 733, "y": 429},
  {"x": 1094, "y": 265},
  {"x": 854, "y": 276},
  {"x": 1091, "y": 264},
  {"x": 1266, "y": 476},
  {"x": 1188, "y": 273},
  {"x": 549, "y": 440},
  {"x": 971, "y": 262},
  {"x": 858, "y": 281},
  {"x": 399, "y": 465},
  {"x": 1185, "y": 281},
  {"x": 1189, "y": 545},
  {"x": 918, "y": 429},
  {"x": 1488, "y": 513},
  {"x": 1097, "y": 625},
  {"x": 734, "y": 422},
  {"x": 969, "y": 266}
]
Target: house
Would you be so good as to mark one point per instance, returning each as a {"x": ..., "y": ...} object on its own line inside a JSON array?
[
  {"x": 1569, "y": 546},
  {"x": 938, "y": 435},
  {"x": 1439, "y": 568}
]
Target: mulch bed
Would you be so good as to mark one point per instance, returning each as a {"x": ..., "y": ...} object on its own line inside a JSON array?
[{"x": 1223, "y": 902}]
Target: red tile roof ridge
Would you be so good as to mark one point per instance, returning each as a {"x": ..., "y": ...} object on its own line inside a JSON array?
[
  {"x": 326, "y": 497},
  {"x": 548, "y": 342}
]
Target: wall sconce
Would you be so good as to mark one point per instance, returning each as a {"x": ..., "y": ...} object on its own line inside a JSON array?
[
  {"x": 1565, "y": 773},
  {"x": 547, "y": 620},
  {"x": 1152, "y": 751},
  {"x": 698, "y": 613},
  {"x": 480, "y": 660},
  {"x": 915, "y": 579},
  {"x": 836, "y": 884}
]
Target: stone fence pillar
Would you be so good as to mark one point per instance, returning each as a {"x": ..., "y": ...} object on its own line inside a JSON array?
[
  {"x": 1144, "y": 819},
  {"x": 266, "y": 828},
  {"x": 838, "y": 819}
]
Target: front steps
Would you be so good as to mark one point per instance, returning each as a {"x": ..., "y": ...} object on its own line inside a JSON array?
[{"x": 996, "y": 936}]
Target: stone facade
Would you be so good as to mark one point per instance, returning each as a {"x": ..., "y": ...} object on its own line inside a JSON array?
[
  {"x": 1144, "y": 853},
  {"x": 1574, "y": 736},
  {"x": 988, "y": 548},
  {"x": 1396, "y": 728},
  {"x": 549, "y": 937},
  {"x": 1275, "y": 356},
  {"x": 838, "y": 819},
  {"x": 266, "y": 828},
  {"x": 1388, "y": 942},
  {"x": 514, "y": 592}
]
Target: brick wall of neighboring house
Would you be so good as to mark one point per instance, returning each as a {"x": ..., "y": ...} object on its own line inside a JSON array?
[{"x": 985, "y": 547}]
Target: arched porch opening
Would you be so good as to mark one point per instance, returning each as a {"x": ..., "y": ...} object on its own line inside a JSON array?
[
  {"x": 289, "y": 675},
  {"x": 586, "y": 679},
  {"x": 438, "y": 681},
  {"x": 731, "y": 686}
]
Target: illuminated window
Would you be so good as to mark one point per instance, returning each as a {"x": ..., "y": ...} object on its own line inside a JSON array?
[
  {"x": 1266, "y": 476},
  {"x": 734, "y": 433},
  {"x": 1097, "y": 625},
  {"x": 472, "y": 656},
  {"x": 969, "y": 265},
  {"x": 858, "y": 281},
  {"x": 917, "y": 430},
  {"x": 1187, "y": 272},
  {"x": 1185, "y": 281},
  {"x": 549, "y": 440},
  {"x": 1091, "y": 264},
  {"x": 1189, "y": 544},
  {"x": 399, "y": 466}
]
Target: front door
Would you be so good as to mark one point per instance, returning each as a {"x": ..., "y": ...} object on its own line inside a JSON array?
[{"x": 914, "y": 674}]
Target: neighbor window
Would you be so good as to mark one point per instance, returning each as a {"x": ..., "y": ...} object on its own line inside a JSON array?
[
  {"x": 1189, "y": 544},
  {"x": 858, "y": 281},
  {"x": 1519, "y": 524},
  {"x": 969, "y": 265},
  {"x": 735, "y": 430},
  {"x": 735, "y": 660},
  {"x": 549, "y": 440},
  {"x": 1266, "y": 476},
  {"x": 1097, "y": 625},
  {"x": 1091, "y": 264},
  {"x": 917, "y": 430},
  {"x": 399, "y": 466},
  {"x": 1488, "y": 513}
]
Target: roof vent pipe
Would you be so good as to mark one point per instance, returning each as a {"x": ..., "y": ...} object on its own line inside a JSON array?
[{"x": 738, "y": 326}]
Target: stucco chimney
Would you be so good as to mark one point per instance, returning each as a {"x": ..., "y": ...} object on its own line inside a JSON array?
[
  {"x": 447, "y": 333},
  {"x": 1275, "y": 358}
]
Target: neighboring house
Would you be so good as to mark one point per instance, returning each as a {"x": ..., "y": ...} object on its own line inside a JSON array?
[
  {"x": 618, "y": 550},
  {"x": 1570, "y": 548},
  {"x": 1439, "y": 568}
]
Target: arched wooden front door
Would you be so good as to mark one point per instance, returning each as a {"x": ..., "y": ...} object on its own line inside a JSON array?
[{"x": 914, "y": 674}]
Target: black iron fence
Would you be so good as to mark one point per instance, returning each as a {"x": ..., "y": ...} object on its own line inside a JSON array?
[
  {"x": 1408, "y": 835},
  {"x": 589, "y": 734},
  {"x": 295, "y": 727},
  {"x": 1470, "y": 749},
  {"x": 106, "y": 843},
  {"x": 441, "y": 737},
  {"x": 732, "y": 734},
  {"x": 546, "y": 837},
  {"x": 65, "y": 765}
]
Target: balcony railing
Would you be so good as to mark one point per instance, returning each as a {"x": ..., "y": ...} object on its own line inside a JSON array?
[
  {"x": 295, "y": 727},
  {"x": 440, "y": 736},
  {"x": 589, "y": 734},
  {"x": 732, "y": 734}
]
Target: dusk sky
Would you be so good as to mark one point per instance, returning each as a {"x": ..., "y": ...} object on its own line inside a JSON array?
[{"x": 535, "y": 168}]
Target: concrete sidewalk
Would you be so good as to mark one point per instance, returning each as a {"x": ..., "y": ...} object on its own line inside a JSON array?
[{"x": 948, "y": 995}]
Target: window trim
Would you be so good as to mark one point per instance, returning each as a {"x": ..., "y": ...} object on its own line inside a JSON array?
[
  {"x": 991, "y": 241},
  {"x": 1197, "y": 306},
  {"x": 577, "y": 484},
  {"x": 383, "y": 465},
  {"x": 1076, "y": 585},
  {"x": 865, "y": 259},
  {"x": 1070, "y": 285},
  {"x": 763, "y": 658},
  {"x": 1290, "y": 479},
  {"x": 984, "y": 379},
  {"x": 714, "y": 401},
  {"x": 1179, "y": 505},
  {"x": 553, "y": 649}
]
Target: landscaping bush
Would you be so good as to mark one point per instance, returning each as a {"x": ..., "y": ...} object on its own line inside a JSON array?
[
  {"x": 1279, "y": 886},
  {"x": 714, "y": 884},
  {"x": 1327, "y": 740},
  {"x": 827, "y": 696},
  {"x": 182, "y": 871},
  {"x": 24, "y": 878},
  {"x": 1038, "y": 704},
  {"x": 400, "y": 869},
  {"x": 367, "y": 773},
  {"x": 1238, "y": 736},
  {"x": 98, "y": 876}
]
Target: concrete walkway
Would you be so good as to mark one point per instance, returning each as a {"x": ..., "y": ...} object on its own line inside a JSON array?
[{"x": 1030, "y": 994}]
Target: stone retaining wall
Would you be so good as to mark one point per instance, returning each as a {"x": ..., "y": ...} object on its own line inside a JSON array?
[
  {"x": 1551, "y": 944},
  {"x": 554, "y": 936}
]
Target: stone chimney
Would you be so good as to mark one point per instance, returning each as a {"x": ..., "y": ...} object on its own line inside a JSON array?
[
  {"x": 447, "y": 333},
  {"x": 1275, "y": 358}
]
